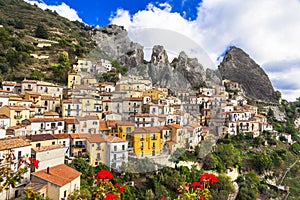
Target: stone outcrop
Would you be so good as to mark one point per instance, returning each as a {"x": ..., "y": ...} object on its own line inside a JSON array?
[
  {"x": 239, "y": 67},
  {"x": 184, "y": 73}
]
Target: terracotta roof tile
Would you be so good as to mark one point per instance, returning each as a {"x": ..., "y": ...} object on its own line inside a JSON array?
[
  {"x": 71, "y": 120},
  {"x": 61, "y": 136},
  {"x": 113, "y": 139},
  {"x": 10, "y": 143},
  {"x": 59, "y": 175},
  {"x": 177, "y": 126},
  {"x": 103, "y": 126},
  {"x": 40, "y": 137},
  {"x": 96, "y": 138},
  {"x": 79, "y": 136},
  {"x": 47, "y": 148},
  {"x": 33, "y": 120}
]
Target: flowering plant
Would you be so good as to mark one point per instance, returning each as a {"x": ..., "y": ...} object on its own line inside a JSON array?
[
  {"x": 197, "y": 190},
  {"x": 12, "y": 170},
  {"x": 105, "y": 189}
]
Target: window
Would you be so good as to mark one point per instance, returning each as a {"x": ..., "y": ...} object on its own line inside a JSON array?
[
  {"x": 95, "y": 123},
  {"x": 98, "y": 156},
  {"x": 153, "y": 145},
  {"x": 128, "y": 130},
  {"x": 65, "y": 193},
  {"x": 123, "y": 147},
  {"x": 53, "y": 143},
  {"x": 64, "y": 143},
  {"x": 115, "y": 156},
  {"x": 19, "y": 155},
  {"x": 59, "y": 124},
  {"x": 115, "y": 148},
  {"x": 38, "y": 145}
]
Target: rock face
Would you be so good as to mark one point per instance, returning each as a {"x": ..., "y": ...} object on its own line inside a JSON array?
[
  {"x": 191, "y": 69},
  {"x": 162, "y": 73},
  {"x": 114, "y": 41},
  {"x": 239, "y": 67},
  {"x": 184, "y": 73}
]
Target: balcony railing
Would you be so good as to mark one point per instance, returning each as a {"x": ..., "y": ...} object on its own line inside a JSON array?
[{"x": 18, "y": 116}]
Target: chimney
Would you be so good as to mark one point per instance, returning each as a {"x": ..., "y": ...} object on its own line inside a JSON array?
[{"x": 48, "y": 170}]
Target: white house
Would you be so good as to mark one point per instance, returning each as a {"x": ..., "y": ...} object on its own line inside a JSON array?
[
  {"x": 21, "y": 149},
  {"x": 48, "y": 156},
  {"x": 45, "y": 125},
  {"x": 117, "y": 152},
  {"x": 61, "y": 181}
]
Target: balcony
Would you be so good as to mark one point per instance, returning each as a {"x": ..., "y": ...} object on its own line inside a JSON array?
[
  {"x": 154, "y": 138},
  {"x": 18, "y": 116},
  {"x": 142, "y": 139},
  {"x": 79, "y": 146}
]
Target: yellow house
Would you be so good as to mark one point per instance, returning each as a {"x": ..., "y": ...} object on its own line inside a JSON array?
[
  {"x": 120, "y": 129},
  {"x": 15, "y": 113},
  {"x": 73, "y": 79},
  {"x": 96, "y": 149},
  {"x": 71, "y": 108},
  {"x": 154, "y": 94},
  {"x": 124, "y": 87},
  {"x": 41, "y": 140},
  {"x": 14, "y": 100},
  {"x": 78, "y": 143},
  {"x": 146, "y": 141},
  {"x": 35, "y": 97},
  {"x": 88, "y": 81}
]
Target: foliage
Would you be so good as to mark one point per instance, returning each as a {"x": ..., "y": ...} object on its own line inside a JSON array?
[
  {"x": 30, "y": 194},
  {"x": 12, "y": 170},
  {"x": 41, "y": 32},
  {"x": 229, "y": 155},
  {"x": 197, "y": 189},
  {"x": 118, "y": 67}
]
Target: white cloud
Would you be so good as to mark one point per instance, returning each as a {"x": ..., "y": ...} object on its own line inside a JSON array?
[
  {"x": 268, "y": 30},
  {"x": 63, "y": 9}
]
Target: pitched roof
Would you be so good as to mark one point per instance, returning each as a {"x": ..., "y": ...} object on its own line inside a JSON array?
[
  {"x": 113, "y": 139},
  {"x": 122, "y": 123},
  {"x": 10, "y": 143},
  {"x": 51, "y": 114},
  {"x": 32, "y": 120},
  {"x": 177, "y": 126},
  {"x": 103, "y": 126},
  {"x": 40, "y": 137},
  {"x": 96, "y": 138},
  {"x": 79, "y": 136},
  {"x": 61, "y": 136},
  {"x": 47, "y": 148},
  {"x": 36, "y": 186},
  {"x": 59, "y": 175},
  {"x": 71, "y": 120}
]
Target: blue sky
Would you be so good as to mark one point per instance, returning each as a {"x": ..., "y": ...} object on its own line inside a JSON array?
[
  {"x": 98, "y": 12},
  {"x": 268, "y": 30}
]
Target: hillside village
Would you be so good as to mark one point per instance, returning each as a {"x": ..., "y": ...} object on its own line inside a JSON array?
[{"x": 111, "y": 123}]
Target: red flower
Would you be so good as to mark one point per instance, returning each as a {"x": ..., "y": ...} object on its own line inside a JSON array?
[
  {"x": 104, "y": 174},
  {"x": 197, "y": 184},
  {"x": 34, "y": 162},
  {"x": 110, "y": 196},
  {"x": 122, "y": 188},
  {"x": 162, "y": 198},
  {"x": 201, "y": 198},
  {"x": 210, "y": 178}
]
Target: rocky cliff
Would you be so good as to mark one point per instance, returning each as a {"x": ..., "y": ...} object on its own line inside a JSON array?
[
  {"x": 238, "y": 66},
  {"x": 184, "y": 72}
]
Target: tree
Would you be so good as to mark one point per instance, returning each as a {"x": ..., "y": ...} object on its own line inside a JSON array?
[
  {"x": 41, "y": 32},
  {"x": 228, "y": 154}
]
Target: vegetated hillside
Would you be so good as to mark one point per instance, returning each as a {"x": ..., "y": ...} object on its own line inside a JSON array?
[{"x": 26, "y": 27}]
